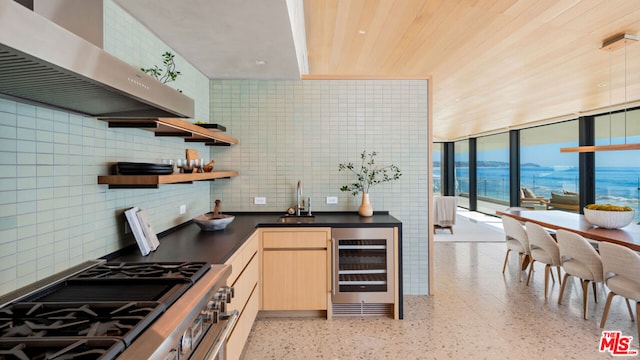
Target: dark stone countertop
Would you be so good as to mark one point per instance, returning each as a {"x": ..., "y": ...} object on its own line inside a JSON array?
[{"x": 188, "y": 243}]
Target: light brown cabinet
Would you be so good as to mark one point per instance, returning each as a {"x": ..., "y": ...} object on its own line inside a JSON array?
[
  {"x": 244, "y": 279},
  {"x": 295, "y": 268}
]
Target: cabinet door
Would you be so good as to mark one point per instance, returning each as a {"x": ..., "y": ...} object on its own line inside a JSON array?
[{"x": 295, "y": 279}]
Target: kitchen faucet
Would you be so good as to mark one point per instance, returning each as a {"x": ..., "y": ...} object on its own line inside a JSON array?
[{"x": 300, "y": 206}]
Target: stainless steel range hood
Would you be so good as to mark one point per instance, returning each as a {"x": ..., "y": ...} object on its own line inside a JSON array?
[{"x": 45, "y": 63}]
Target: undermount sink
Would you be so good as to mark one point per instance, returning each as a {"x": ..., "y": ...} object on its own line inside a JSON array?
[{"x": 293, "y": 219}]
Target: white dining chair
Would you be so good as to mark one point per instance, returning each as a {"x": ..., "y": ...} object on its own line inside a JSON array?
[
  {"x": 621, "y": 267},
  {"x": 581, "y": 260},
  {"x": 517, "y": 240},
  {"x": 543, "y": 249}
]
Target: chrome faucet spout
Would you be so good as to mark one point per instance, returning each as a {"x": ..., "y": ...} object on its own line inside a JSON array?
[{"x": 298, "y": 196}]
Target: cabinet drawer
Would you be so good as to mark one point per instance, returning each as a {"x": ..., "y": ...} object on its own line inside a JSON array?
[
  {"x": 241, "y": 257},
  {"x": 295, "y": 239},
  {"x": 251, "y": 247},
  {"x": 236, "y": 267},
  {"x": 245, "y": 285},
  {"x": 240, "y": 333}
]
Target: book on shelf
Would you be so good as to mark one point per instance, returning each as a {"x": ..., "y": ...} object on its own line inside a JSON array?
[
  {"x": 137, "y": 231},
  {"x": 152, "y": 238}
]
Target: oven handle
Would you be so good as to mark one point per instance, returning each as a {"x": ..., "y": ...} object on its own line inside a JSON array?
[{"x": 221, "y": 340}]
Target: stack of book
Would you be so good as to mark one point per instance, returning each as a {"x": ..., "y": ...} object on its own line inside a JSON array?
[{"x": 143, "y": 232}]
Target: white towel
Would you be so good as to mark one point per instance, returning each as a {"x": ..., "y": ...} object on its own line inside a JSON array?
[{"x": 445, "y": 210}]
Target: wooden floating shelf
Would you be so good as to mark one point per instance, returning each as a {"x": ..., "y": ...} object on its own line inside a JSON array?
[
  {"x": 152, "y": 181},
  {"x": 177, "y": 128}
]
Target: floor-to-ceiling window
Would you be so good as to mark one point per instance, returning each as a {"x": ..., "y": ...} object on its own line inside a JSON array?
[
  {"x": 544, "y": 170},
  {"x": 461, "y": 157},
  {"x": 618, "y": 172},
  {"x": 436, "y": 157},
  {"x": 493, "y": 172}
]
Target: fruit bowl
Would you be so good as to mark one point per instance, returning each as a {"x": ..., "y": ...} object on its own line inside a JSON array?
[
  {"x": 207, "y": 222},
  {"x": 609, "y": 219}
]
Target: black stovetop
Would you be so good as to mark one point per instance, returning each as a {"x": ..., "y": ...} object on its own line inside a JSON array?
[{"x": 94, "y": 314}]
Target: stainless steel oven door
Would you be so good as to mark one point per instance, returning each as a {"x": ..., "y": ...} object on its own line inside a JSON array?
[{"x": 212, "y": 346}]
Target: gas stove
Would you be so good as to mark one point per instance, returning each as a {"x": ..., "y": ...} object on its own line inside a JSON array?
[{"x": 101, "y": 312}]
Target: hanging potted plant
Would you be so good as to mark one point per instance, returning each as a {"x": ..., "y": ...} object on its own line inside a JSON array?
[
  {"x": 168, "y": 74},
  {"x": 367, "y": 176}
]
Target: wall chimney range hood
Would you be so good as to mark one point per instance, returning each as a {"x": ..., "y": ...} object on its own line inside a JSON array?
[{"x": 43, "y": 62}]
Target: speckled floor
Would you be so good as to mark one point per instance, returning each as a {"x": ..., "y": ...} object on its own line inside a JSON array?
[{"x": 475, "y": 313}]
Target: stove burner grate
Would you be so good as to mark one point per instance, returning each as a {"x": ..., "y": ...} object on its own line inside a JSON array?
[
  {"x": 189, "y": 271},
  {"x": 94, "y": 314},
  {"x": 58, "y": 320},
  {"x": 61, "y": 349}
]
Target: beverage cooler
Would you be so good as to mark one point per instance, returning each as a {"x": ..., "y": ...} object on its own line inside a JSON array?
[{"x": 363, "y": 265}]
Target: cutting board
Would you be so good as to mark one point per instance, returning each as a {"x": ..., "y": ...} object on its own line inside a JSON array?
[{"x": 192, "y": 154}]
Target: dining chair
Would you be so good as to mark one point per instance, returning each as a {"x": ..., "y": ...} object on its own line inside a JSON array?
[
  {"x": 517, "y": 240},
  {"x": 621, "y": 268},
  {"x": 581, "y": 260},
  {"x": 544, "y": 249}
]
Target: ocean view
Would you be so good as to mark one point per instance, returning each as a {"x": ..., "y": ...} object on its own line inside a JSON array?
[{"x": 615, "y": 185}]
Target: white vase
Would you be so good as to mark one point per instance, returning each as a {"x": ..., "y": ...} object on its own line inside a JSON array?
[{"x": 365, "y": 207}]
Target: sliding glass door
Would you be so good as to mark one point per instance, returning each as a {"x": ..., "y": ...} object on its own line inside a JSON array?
[
  {"x": 493, "y": 172},
  {"x": 462, "y": 172},
  {"x": 545, "y": 171},
  {"x": 618, "y": 172}
]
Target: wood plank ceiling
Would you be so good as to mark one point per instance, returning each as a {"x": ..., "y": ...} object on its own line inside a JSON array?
[{"x": 495, "y": 64}]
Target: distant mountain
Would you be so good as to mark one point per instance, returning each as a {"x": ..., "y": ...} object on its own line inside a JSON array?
[
  {"x": 489, "y": 164},
  {"x": 484, "y": 164}
]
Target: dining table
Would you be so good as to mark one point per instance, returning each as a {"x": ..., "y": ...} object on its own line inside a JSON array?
[{"x": 628, "y": 236}]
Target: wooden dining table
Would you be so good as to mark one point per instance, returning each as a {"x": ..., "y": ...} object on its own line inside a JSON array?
[{"x": 628, "y": 236}]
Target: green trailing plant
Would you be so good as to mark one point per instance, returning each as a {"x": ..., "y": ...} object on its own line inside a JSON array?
[
  {"x": 169, "y": 72},
  {"x": 368, "y": 174}
]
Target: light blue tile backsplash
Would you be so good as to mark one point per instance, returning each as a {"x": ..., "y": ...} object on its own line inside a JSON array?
[
  {"x": 53, "y": 214},
  {"x": 290, "y": 130}
]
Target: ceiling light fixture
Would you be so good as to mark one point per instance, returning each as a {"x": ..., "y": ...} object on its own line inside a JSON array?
[
  {"x": 613, "y": 43},
  {"x": 261, "y": 62},
  {"x": 362, "y": 32},
  {"x": 618, "y": 42}
]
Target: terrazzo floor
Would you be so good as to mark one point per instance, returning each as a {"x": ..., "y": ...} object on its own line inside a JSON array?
[{"x": 476, "y": 312}]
